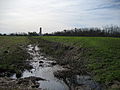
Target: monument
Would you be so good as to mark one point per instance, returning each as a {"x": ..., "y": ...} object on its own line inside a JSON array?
[{"x": 40, "y": 33}]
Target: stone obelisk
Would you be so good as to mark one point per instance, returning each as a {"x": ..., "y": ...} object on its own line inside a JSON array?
[{"x": 40, "y": 33}]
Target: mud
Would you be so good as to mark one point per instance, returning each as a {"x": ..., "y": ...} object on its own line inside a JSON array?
[{"x": 47, "y": 74}]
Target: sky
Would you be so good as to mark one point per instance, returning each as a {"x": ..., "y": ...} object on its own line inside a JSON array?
[{"x": 56, "y": 15}]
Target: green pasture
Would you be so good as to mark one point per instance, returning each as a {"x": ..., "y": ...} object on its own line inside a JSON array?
[{"x": 103, "y": 54}]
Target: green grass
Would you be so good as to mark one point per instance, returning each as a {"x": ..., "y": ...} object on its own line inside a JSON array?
[
  {"x": 12, "y": 53},
  {"x": 10, "y": 42},
  {"x": 103, "y": 55}
]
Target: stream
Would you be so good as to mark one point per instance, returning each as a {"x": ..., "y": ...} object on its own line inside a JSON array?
[{"x": 44, "y": 68}]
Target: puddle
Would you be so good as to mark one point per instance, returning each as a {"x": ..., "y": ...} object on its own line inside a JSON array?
[
  {"x": 45, "y": 68},
  {"x": 77, "y": 82}
]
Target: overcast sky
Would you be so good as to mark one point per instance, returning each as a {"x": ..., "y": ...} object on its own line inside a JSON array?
[{"x": 56, "y": 15}]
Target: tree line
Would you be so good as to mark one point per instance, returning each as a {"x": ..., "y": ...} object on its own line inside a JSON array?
[
  {"x": 21, "y": 34},
  {"x": 106, "y": 31}
]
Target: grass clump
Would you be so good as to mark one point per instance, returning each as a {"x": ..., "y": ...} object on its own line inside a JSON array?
[
  {"x": 13, "y": 54},
  {"x": 102, "y": 55}
]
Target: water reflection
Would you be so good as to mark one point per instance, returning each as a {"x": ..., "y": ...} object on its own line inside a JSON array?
[{"x": 45, "y": 68}]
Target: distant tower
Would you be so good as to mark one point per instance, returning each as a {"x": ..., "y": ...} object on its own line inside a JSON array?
[{"x": 40, "y": 33}]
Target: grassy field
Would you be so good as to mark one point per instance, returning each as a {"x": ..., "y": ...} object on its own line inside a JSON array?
[
  {"x": 103, "y": 55},
  {"x": 12, "y": 54}
]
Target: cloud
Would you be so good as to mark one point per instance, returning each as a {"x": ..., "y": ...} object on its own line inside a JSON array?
[
  {"x": 52, "y": 15},
  {"x": 107, "y": 6}
]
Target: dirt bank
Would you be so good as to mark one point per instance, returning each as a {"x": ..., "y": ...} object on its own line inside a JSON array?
[
  {"x": 29, "y": 83},
  {"x": 71, "y": 57},
  {"x": 14, "y": 62},
  {"x": 13, "y": 55},
  {"x": 68, "y": 56}
]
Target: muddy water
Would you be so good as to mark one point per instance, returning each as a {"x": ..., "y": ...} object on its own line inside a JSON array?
[{"x": 45, "y": 68}]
